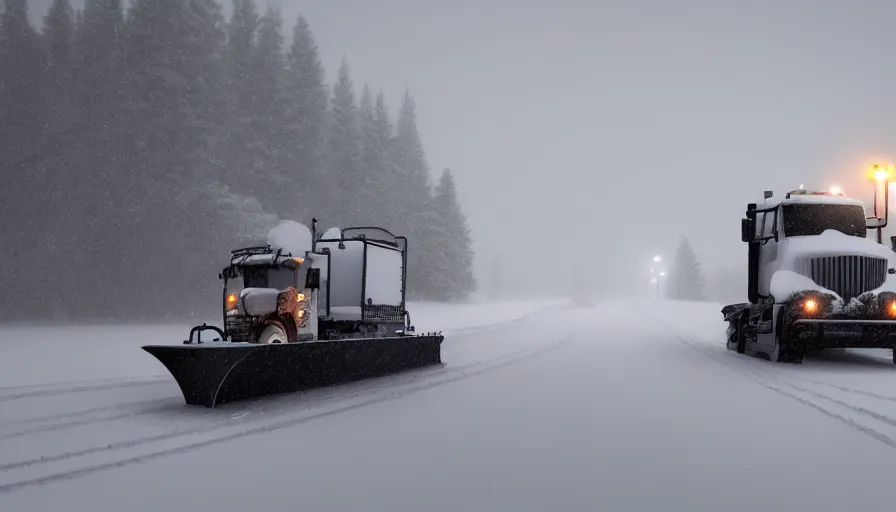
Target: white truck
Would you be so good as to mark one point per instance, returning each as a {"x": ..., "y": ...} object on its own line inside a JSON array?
[{"x": 815, "y": 280}]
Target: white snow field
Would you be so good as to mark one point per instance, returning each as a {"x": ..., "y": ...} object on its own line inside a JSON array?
[{"x": 539, "y": 406}]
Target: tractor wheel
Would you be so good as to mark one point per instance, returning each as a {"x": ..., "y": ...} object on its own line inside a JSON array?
[{"x": 272, "y": 334}]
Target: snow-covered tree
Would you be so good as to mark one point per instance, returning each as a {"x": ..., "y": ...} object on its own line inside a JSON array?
[
  {"x": 454, "y": 246},
  {"x": 350, "y": 204},
  {"x": 305, "y": 116},
  {"x": 686, "y": 281},
  {"x": 21, "y": 120},
  {"x": 236, "y": 148},
  {"x": 146, "y": 146},
  {"x": 272, "y": 183},
  {"x": 413, "y": 211},
  {"x": 376, "y": 131}
]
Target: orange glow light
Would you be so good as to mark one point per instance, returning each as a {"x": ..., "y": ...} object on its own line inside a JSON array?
[
  {"x": 810, "y": 306},
  {"x": 880, "y": 172}
]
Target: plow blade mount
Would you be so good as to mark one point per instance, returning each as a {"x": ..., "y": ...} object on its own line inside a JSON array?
[{"x": 215, "y": 373}]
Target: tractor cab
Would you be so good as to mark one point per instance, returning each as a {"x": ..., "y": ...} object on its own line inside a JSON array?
[{"x": 262, "y": 286}]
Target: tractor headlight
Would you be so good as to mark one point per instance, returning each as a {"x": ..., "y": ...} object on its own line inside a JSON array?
[{"x": 231, "y": 301}]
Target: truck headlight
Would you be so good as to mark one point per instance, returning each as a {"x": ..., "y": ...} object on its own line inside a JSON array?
[
  {"x": 891, "y": 310},
  {"x": 810, "y": 306}
]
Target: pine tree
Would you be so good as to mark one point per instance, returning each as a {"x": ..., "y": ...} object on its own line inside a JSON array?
[
  {"x": 305, "y": 116},
  {"x": 686, "y": 281},
  {"x": 387, "y": 172},
  {"x": 239, "y": 90},
  {"x": 412, "y": 184},
  {"x": 375, "y": 134},
  {"x": 168, "y": 89},
  {"x": 59, "y": 228},
  {"x": 103, "y": 208},
  {"x": 453, "y": 246},
  {"x": 271, "y": 183},
  {"x": 22, "y": 64},
  {"x": 351, "y": 202}
]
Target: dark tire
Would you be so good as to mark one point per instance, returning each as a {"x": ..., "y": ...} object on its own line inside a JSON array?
[
  {"x": 785, "y": 351},
  {"x": 742, "y": 334}
]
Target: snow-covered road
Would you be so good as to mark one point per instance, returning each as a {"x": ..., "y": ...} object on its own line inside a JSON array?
[{"x": 619, "y": 406}]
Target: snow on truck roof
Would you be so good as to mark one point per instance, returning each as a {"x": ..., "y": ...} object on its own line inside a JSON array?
[{"x": 811, "y": 199}]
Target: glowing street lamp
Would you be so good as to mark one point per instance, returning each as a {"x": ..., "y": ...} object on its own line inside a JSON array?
[{"x": 881, "y": 174}]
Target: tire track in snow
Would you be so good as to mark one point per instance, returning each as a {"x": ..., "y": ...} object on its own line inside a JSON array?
[
  {"x": 263, "y": 425},
  {"x": 130, "y": 410},
  {"x": 76, "y": 419},
  {"x": 65, "y": 389},
  {"x": 778, "y": 383},
  {"x": 340, "y": 392}
]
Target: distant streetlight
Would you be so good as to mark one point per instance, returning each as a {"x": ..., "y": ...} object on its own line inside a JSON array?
[{"x": 656, "y": 274}]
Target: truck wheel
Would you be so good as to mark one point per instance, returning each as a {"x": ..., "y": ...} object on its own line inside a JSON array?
[
  {"x": 786, "y": 354},
  {"x": 742, "y": 334},
  {"x": 272, "y": 334}
]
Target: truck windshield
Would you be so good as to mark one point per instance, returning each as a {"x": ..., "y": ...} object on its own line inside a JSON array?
[
  {"x": 257, "y": 276},
  {"x": 813, "y": 219}
]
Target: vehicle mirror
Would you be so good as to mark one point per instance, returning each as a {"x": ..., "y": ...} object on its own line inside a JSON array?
[
  {"x": 747, "y": 230},
  {"x": 312, "y": 279}
]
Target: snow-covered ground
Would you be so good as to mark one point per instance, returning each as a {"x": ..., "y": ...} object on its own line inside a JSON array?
[{"x": 539, "y": 406}]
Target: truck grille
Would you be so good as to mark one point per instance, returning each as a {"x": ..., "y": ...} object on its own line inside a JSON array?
[{"x": 847, "y": 276}]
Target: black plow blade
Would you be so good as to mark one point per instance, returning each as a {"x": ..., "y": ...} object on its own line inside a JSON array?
[{"x": 213, "y": 374}]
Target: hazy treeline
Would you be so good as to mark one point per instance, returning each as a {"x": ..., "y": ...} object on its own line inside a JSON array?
[
  {"x": 688, "y": 279},
  {"x": 137, "y": 148}
]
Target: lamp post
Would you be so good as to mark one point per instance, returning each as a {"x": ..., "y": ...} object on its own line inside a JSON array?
[
  {"x": 881, "y": 175},
  {"x": 656, "y": 274}
]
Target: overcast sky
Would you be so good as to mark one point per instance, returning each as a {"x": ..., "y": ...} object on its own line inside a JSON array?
[{"x": 600, "y": 132}]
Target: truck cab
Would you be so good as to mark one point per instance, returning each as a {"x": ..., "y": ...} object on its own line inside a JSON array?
[
  {"x": 815, "y": 279},
  {"x": 819, "y": 235},
  {"x": 270, "y": 297}
]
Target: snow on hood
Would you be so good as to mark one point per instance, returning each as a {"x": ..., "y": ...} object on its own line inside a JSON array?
[
  {"x": 290, "y": 236},
  {"x": 785, "y": 282},
  {"x": 831, "y": 243}
]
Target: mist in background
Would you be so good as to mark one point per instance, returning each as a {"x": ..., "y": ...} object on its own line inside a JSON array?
[{"x": 587, "y": 136}]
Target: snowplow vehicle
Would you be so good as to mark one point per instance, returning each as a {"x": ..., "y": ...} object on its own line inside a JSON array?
[
  {"x": 815, "y": 279},
  {"x": 332, "y": 314}
]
